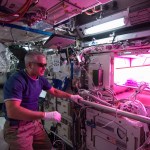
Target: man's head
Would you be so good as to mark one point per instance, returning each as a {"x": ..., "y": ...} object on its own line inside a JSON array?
[{"x": 35, "y": 63}]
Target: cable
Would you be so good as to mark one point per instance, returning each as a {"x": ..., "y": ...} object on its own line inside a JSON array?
[
  {"x": 137, "y": 91},
  {"x": 90, "y": 78},
  {"x": 142, "y": 147},
  {"x": 114, "y": 99},
  {"x": 81, "y": 123},
  {"x": 108, "y": 90},
  {"x": 99, "y": 94},
  {"x": 12, "y": 35},
  {"x": 116, "y": 115},
  {"x": 85, "y": 107},
  {"x": 18, "y": 11},
  {"x": 18, "y": 14}
]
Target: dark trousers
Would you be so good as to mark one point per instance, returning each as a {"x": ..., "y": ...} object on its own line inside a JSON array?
[{"x": 27, "y": 136}]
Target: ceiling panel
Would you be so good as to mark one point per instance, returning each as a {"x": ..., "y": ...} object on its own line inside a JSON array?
[
  {"x": 12, "y": 35},
  {"x": 66, "y": 9},
  {"x": 53, "y": 11},
  {"x": 30, "y": 12}
]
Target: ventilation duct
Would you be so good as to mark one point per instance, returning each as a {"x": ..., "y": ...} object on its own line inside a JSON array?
[{"x": 139, "y": 14}]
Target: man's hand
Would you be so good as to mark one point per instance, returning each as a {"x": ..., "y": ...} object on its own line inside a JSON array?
[
  {"x": 75, "y": 98},
  {"x": 53, "y": 116}
]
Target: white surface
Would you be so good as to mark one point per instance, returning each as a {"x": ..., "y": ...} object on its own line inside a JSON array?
[
  {"x": 107, "y": 26},
  {"x": 56, "y": 63},
  {"x": 43, "y": 94},
  {"x": 111, "y": 132}
]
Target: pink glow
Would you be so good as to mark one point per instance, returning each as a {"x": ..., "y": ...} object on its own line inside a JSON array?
[
  {"x": 138, "y": 74},
  {"x": 121, "y": 62}
]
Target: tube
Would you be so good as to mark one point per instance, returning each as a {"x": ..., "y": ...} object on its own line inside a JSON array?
[
  {"x": 87, "y": 93},
  {"x": 113, "y": 110}
]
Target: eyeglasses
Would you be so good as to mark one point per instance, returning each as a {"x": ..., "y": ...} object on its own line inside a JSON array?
[{"x": 40, "y": 64}]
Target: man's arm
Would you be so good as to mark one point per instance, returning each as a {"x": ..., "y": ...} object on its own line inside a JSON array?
[
  {"x": 62, "y": 94},
  {"x": 59, "y": 93},
  {"x": 15, "y": 111}
]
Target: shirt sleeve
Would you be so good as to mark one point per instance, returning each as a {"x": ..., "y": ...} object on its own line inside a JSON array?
[
  {"x": 13, "y": 89},
  {"x": 46, "y": 84}
]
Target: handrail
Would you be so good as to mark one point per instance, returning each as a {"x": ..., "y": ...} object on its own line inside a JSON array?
[{"x": 115, "y": 110}]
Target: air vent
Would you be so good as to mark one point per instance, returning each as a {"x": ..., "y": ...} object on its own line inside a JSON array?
[{"x": 139, "y": 14}]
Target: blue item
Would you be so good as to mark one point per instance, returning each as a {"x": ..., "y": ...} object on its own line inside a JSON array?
[
  {"x": 61, "y": 85},
  {"x": 26, "y": 29},
  {"x": 57, "y": 84},
  {"x": 71, "y": 69},
  {"x": 66, "y": 82}
]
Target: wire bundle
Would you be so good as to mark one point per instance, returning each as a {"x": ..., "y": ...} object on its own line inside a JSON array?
[{"x": 8, "y": 18}]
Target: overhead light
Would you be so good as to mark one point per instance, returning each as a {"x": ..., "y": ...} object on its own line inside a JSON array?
[{"x": 107, "y": 26}]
